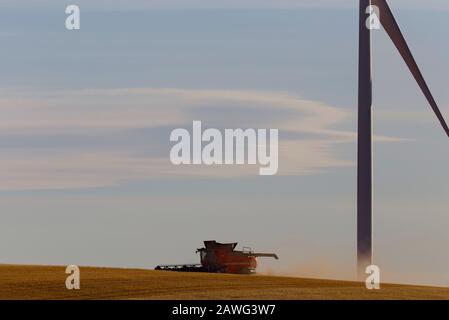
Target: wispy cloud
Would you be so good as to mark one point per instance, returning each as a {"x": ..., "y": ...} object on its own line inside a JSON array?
[{"x": 90, "y": 138}]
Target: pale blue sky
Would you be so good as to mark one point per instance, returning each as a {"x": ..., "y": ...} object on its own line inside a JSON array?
[{"x": 84, "y": 143}]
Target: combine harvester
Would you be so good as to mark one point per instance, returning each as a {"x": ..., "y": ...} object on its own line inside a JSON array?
[{"x": 221, "y": 258}]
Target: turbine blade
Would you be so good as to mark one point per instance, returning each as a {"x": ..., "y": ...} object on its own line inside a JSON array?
[{"x": 394, "y": 32}]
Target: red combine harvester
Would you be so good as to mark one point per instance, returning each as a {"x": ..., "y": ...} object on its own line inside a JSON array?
[{"x": 221, "y": 257}]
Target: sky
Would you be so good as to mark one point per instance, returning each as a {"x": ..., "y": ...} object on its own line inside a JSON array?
[{"x": 84, "y": 137}]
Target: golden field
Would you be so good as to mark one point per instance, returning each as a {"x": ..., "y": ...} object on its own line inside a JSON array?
[{"x": 48, "y": 282}]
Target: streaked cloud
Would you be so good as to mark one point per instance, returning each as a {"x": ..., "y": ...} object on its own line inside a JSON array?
[{"x": 91, "y": 138}]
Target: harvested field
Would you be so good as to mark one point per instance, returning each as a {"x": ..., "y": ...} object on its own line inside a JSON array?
[{"x": 48, "y": 282}]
